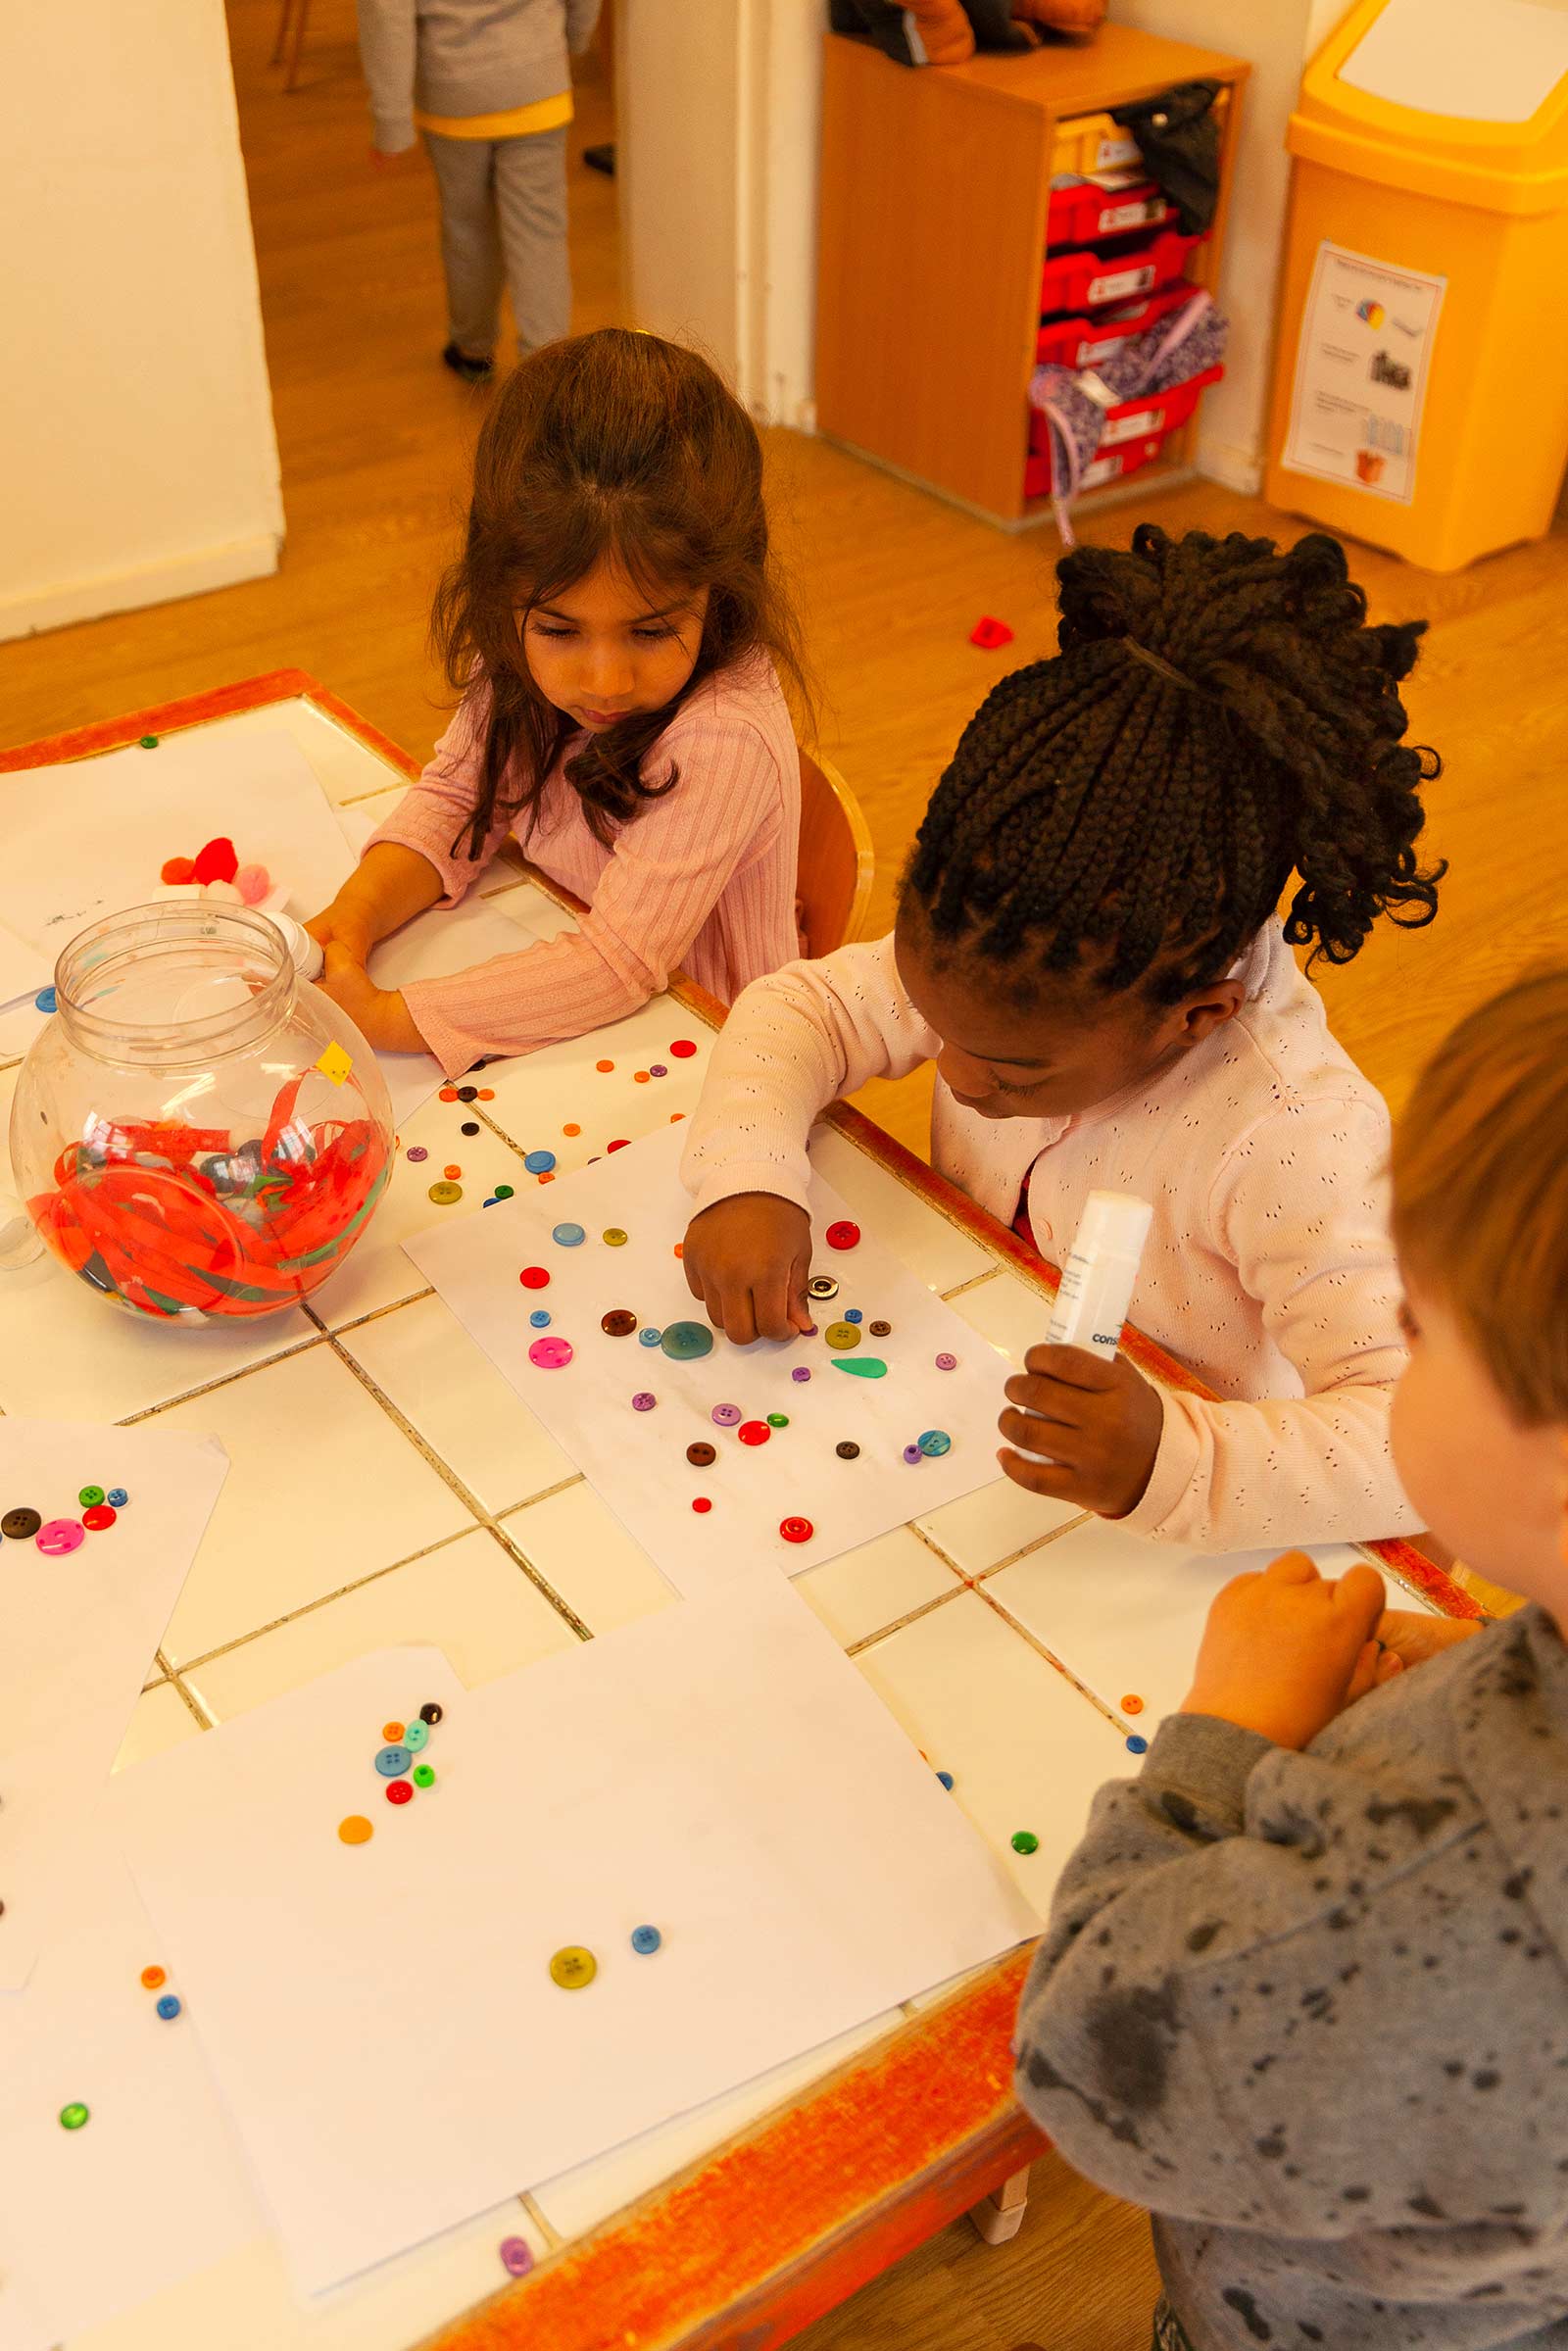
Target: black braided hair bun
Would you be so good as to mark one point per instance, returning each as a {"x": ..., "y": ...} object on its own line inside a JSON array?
[{"x": 1099, "y": 808}]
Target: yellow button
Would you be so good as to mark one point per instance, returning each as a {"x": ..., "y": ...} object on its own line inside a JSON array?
[
  {"x": 356, "y": 1829},
  {"x": 445, "y": 1193},
  {"x": 574, "y": 1967},
  {"x": 614, "y": 1237},
  {"x": 843, "y": 1333}
]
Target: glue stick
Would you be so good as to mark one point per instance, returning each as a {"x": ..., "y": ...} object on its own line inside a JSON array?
[
  {"x": 1097, "y": 1279},
  {"x": 309, "y": 956}
]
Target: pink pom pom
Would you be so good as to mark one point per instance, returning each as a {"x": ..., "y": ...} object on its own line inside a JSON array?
[{"x": 253, "y": 882}]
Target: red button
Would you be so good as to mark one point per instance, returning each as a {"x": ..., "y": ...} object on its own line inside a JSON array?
[
  {"x": 754, "y": 1432},
  {"x": 533, "y": 1277},
  {"x": 399, "y": 1791},
  {"x": 618, "y": 1146},
  {"x": 842, "y": 1235},
  {"x": 795, "y": 1530},
  {"x": 98, "y": 1517},
  {"x": 702, "y": 1503},
  {"x": 683, "y": 1049}
]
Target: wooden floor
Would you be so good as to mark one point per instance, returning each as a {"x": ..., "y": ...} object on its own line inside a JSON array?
[{"x": 376, "y": 438}]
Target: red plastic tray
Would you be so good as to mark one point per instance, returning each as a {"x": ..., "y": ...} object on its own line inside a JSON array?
[
  {"x": 1085, "y": 211},
  {"x": 1085, "y": 342},
  {"x": 1136, "y": 419},
  {"x": 1113, "y": 464},
  {"x": 1078, "y": 281}
]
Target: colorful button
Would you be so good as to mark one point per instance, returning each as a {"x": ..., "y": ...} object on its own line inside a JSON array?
[
  {"x": 58, "y": 1535},
  {"x": 656, "y": 1069},
  {"x": 861, "y": 1367},
  {"x": 778, "y": 1420},
  {"x": 468, "y": 1094},
  {"x": 152, "y": 1976},
  {"x": 117, "y": 1497},
  {"x": 540, "y": 1318},
  {"x": 444, "y": 1193},
  {"x": 504, "y": 1191},
  {"x": 643, "y": 1400},
  {"x": 469, "y": 1126},
  {"x": 624, "y": 1143},
  {"x": 946, "y": 1362},
  {"x": 18, "y": 1525},
  {"x": 424, "y": 1775},
  {"x": 90, "y": 1494},
  {"x": 650, "y": 1334},
  {"x": 800, "y": 1374},
  {"x": 604, "y": 1067},
  {"x": 701, "y": 1454},
  {"x": 415, "y": 1737},
  {"x": 448, "y": 1094},
  {"x": 433, "y": 1713},
  {"x": 571, "y": 1130},
  {"x": 534, "y": 1276},
  {"x": 685, "y": 1342},
  {"x": 754, "y": 1432},
  {"x": 356, "y": 1829},
  {"x": 614, "y": 1237},
  {"x": 168, "y": 2008},
  {"x": 517, "y": 2256},
  {"x": 880, "y": 1330},
  {"x": 945, "y": 1778},
  {"x": 574, "y": 1967},
  {"x": 728, "y": 1416},
  {"x": 538, "y": 1163},
  {"x": 618, "y": 1323},
  {"x": 641, "y": 1076},
  {"x": 452, "y": 1172},
  {"x": 392, "y": 1732},
  {"x": 702, "y": 1505},
  {"x": 148, "y": 742},
  {"x": 1132, "y": 1703},
  {"x": 550, "y": 1355},
  {"x": 569, "y": 1236},
  {"x": 842, "y": 1334},
  {"x": 485, "y": 1094},
  {"x": 98, "y": 1517},
  {"x": 645, "y": 1940},
  {"x": 847, "y": 1450},
  {"x": 1024, "y": 1840},
  {"x": 822, "y": 1286},
  {"x": 912, "y": 1454},
  {"x": 73, "y": 2117},
  {"x": 934, "y": 1442},
  {"x": 392, "y": 1761},
  {"x": 795, "y": 1529},
  {"x": 46, "y": 1001},
  {"x": 1136, "y": 1745},
  {"x": 842, "y": 1235},
  {"x": 398, "y": 1792},
  {"x": 417, "y": 1153},
  {"x": 683, "y": 1049},
  {"x": 854, "y": 1315}
]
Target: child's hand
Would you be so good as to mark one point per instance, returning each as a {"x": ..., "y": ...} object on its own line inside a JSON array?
[
  {"x": 378, "y": 1013},
  {"x": 1099, "y": 1422},
  {"x": 345, "y": 925},
  {"x": 1284, "y": 1652},
  {"x": 1415, "y": 1640},
  {"x": 749, "y": 1259}
]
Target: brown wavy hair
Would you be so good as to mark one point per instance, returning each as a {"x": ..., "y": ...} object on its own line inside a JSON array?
[{"x": 607, "y": 444}]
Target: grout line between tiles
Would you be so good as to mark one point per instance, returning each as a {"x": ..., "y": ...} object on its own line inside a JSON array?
[
  {"x": 943, "y": 1600},
  {"x": 246, "y": 1371},
  {"x": 332, "y": 1330},
  {"x": 1050, "y": 1655},
  {"x": 203, "y": 1718},
  {"x": 541, "y": 1583},
  {"x": 1029, "y": 1549},
  {"x": 931, "y": 1544},
  {"x": 961, "y": 1289},
  {"x": 553, "y": 2240},
  {"x": 425, "y": 1451}
]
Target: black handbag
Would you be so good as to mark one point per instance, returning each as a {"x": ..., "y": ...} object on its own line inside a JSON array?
[{"x": 1178, "y": 138}]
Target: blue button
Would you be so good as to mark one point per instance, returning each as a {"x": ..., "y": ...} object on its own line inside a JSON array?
[
  {"x": 853, "y": 1314},
  {"x": 539, "y": 1317},
  {"x": 538, "y": 1163},
  {"x": 648, "y": 1337},
  {"x": 118, "y": 1497},
  {"x": 645, "y": 1940},
  {"x": 45, "y": 1000},
  {"x": 393, "y": 1762},
  {"x": 492, "y": 1204},
  {"x": 945, "y": 1778},
  {"x": 168, "y": 2007},
  {"x": 569, "y": 1236},
  {"x": 1136, "y": 1745},
  {"x": 685, "y": 1342},
  {"x": 934, "y": 1442},
  {"x": 415, "y": 1736}
]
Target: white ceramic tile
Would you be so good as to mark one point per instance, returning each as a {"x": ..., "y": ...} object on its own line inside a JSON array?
[
  {"x": 995, "y": 1522},
  {"x": 324, "y": 1489},
  {"x": 162, "y": 1719},
  {"x": 344, "y": 766},
  {"x": 1026, "y": 1750},
  {"x": 862, "y": 1591},
  {"x": 927, "y": 1241},
  {"x": 1009, "y": 1313},
  {"x": 579, "y": 2200},
  {"x": 423, "y": 1360},
  {"x": 377, "y": 1273},
  {"x": 1124, "y": 1614},
  {"x": 560, "y": 1085},
  {"x": 68, "y": 1353},
  {"x": 246, "y": 2304},
  {"x": 470, "y": 1599},
  {"x": 585, "y": 1554}
]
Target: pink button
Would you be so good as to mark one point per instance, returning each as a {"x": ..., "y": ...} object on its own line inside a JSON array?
[
  {"x": 57, "y": 1536},
  {"x": 946, "y": 1362},
  {"x": 550, "y": 1354}
]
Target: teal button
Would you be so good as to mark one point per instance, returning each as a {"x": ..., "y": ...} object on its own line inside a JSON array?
[
  {"x": 415, "y": 1737},
  {"x": 685, "y": 1342}
]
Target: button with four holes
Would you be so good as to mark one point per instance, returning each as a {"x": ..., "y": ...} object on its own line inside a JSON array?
[
  {"x": 645, "y": 1940},
  {"x": 574, "y": 1967},
  {"x": 618, "y": 1323},
  {"x": 842, "y": 1235}
]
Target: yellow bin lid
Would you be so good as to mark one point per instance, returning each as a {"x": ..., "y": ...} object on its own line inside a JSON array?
[{"x": 1468, "y": 104}]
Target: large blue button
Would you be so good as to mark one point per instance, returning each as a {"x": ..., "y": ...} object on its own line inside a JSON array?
[
  {"x": 569, "y": 1236},
  {"x": 538, "y": 1163},
  {"x": 684, "y": 1341},
  {"x": 393, "y": 1762}
]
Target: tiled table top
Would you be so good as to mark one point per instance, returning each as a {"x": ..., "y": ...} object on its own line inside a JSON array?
[{"x": 388, "y": 1486}]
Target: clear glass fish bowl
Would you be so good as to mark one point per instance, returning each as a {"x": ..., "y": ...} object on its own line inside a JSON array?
[{"x": 197, "y": 1133}]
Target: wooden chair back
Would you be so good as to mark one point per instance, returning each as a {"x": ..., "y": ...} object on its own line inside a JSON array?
[{"x": 837, "y": 861}]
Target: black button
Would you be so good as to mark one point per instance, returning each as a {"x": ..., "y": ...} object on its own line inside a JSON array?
[
  {"x": 431, "y": 1713},
  {"x": 701, "y": 1454},
  {"x": 18, "y": 1525},
  {"x": 468, "y": 1094},
  {"x": 469, "y": 1126},
  {"x": 848, "y": 1451}
]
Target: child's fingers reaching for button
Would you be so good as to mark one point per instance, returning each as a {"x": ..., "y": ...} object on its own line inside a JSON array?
[{"x": 749, "y": 1259}]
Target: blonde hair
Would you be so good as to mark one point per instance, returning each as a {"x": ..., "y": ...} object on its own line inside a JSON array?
[{"x": 1481, "y": 1188}]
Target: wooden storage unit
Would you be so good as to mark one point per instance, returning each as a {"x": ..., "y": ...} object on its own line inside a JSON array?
[{"x": 935, "y": 186}]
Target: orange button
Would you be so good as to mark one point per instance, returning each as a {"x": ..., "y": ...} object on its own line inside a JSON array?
[
  {"x": 356, "y": 1829},
  {"x": 448, "y": 1094},
  {"x": 392, "y": 1732},
  {"x": 451, "y": 1173},
  {"x": 571, "y": 1130},
  {"x": 1132, "y": 1705},
  {"x": 641, "y": 1076},
  {"x": 151, "y": 1977},
  {"x": 605, "y": 1065}
]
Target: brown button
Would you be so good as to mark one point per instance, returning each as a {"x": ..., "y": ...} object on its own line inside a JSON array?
[
  {"x": 18, "y": 1525},
  {"x": 619, "y": 1322},
  {"x": 700, "y": 1455},
  {"x": 880, "y": 1330},
  {"x": 849, "y": 1451}
]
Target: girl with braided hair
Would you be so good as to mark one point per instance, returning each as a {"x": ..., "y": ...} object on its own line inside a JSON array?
[{"x": 1089, "y": 948}]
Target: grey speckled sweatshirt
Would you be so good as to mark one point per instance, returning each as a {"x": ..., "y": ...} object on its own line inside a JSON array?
[
  {"x": 465, "y": 56},
  {"x": 1312, "y": 2010}
]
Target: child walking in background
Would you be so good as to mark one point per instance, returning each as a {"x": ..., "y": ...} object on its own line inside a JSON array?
[
  {"x": 616, "y": 619},
  {"x": 1304, "y": 1991},
  {"x": 487, "y": 84},
  {"x": 1087, "y": 947}
]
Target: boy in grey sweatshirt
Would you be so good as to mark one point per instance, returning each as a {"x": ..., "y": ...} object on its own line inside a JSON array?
[
  {"x": 488, "y": 84},
  {"x": 1304, "y": 1991}
]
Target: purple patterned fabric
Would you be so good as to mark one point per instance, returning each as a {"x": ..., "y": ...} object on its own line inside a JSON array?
[{"x": 1183, "y": 344}]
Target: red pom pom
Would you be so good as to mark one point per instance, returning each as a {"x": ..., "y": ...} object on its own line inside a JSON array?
[
  {"x": 178, "y": 869},
  {"x": 217, "y": 862},
  {"x": 989, "y": 634}
]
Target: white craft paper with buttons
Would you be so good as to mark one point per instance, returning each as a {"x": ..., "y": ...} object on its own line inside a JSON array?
[
  {"x": 636, "y": 1460},
  {"x": 381, "y": 2017}
]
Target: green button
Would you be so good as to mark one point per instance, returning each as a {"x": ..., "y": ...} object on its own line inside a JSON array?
[
  {"x": 684, "y": 1341},
  {"x": 1025, "y": 1842},
  {"x": 504, "y": 1191},
  {"x": 424, "y": 1775},
  {"x": 570, "y": 1968},
  {"x": 73, "y": 2117},
  {"x": 90, "y": 1497},
  {"x": 778, "y": 1420},
  {"x": 148, "y": 743}
]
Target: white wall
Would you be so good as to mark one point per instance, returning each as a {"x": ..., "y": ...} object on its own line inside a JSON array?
[{"x": 138, "y": 459}]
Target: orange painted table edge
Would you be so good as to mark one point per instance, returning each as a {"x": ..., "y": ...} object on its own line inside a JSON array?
[{"x": 793, "y": 2216}]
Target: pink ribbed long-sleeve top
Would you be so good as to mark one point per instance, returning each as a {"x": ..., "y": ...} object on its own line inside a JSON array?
[
  {"x": 704, "y": 878},
  {"x": 1268, "y": 1267}
]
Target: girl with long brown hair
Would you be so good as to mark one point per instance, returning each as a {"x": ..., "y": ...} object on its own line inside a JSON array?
[{"x": 616, "y": 629}]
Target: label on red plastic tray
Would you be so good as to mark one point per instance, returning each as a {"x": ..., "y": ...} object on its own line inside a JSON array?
[
  {"x": 1120, "y": 282},
  {"x": 1128, "y": 428},
  {"x": 1103, "y": 468},
  {"x": 1130, "y": 215}
]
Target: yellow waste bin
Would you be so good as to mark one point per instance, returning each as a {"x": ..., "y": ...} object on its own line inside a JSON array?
[{"x": 1421, "y": 379}]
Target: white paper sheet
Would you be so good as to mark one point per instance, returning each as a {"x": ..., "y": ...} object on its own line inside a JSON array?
[
  {"x": 78, "y": 1633},
  {"x": 637, "y": 1459},
  {"x": 24, "y": 967},
  {"x": 393, "y": 2049}
]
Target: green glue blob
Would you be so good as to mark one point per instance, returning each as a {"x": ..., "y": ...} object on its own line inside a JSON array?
[{"x": 861, "y": 1367}]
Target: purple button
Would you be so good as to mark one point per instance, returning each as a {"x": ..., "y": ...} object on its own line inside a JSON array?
[
  {"x": 517, "y": 2256},
  {"x": 643, "y": 1400},
  {"x": 416, "y": 1151},
  {"x": 656, "y": 1069},
  {"x": 912, "y": 1454},
  {"x": 947, "y": 1362},
  {"x": 57, "y": 1536},
  {"x": 727, "y": 1415},
  {"x": 550, "y": 1354},
  {"x": 799, "y": 1374}
]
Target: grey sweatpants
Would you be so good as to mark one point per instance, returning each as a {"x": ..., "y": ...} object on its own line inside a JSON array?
[{"x": 503, "y": 214}]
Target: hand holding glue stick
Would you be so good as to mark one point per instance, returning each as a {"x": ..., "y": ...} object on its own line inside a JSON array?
[{"x": 1102, "y": 1420}]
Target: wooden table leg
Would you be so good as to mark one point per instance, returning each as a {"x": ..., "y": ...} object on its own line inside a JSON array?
[{"x": 1000, "y": 2215}]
